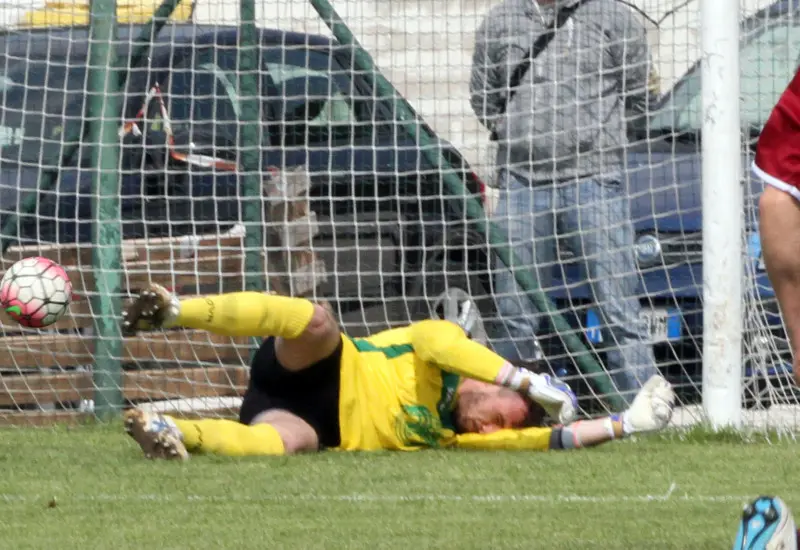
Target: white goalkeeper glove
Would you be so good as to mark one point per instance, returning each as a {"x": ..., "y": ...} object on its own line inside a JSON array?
[
  {"x": 555, "y": 396},
  {"x": 155, "y": 308},
  {"x": 652, "y": 407}
]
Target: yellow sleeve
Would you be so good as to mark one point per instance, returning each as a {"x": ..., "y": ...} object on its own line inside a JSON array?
[
  {"x": 247, "y": 314},
  {"x": 526, "y": 439},
  {"x": 445, "y": 345}
]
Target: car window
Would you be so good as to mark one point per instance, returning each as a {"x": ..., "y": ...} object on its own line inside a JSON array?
[
  {"x": 42, "y": 103},
  {"x": 769, "y": 58},
  {"x": 310, "y": 96},
  {"x": 204, "y": 99}
]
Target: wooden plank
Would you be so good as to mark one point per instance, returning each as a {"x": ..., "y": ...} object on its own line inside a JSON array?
[
  {"x": 64, "y": 255},
  {"x": 78, "y": 315},
  {"x": 187, "y": 272},
  {"x": 43, "y": 418},
  {"x": 63, "y": 350},
  {"x": 186, "y": 346},
  {"x": 39, "y": 389},
  {"x": 190, "y": 246},
  {"x": 138, "y": 385},
  {"x": 156, "y": 385},
  {"x": 178, "y": 262},
  {"x": 167, "y": 248},
  {"x": 43, "y": 350}
]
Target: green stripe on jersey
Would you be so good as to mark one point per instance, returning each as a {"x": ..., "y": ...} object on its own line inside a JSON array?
[
  {"x": 389, "y": 351},
  {"x": 447, "y": 401}
]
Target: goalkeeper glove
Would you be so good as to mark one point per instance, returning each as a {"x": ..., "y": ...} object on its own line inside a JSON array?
[{"x": 555, "y": 397}]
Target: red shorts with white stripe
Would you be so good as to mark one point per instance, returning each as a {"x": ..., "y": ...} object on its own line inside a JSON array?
[{"x": 777, "y": 160}]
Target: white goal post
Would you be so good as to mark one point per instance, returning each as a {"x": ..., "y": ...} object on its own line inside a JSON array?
[{"x": 723, "y": 218}]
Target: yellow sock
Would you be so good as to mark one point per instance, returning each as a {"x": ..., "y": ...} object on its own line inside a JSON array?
[
  {"x": 230, "y": 438},
  {"x": 247, "y": 314}
]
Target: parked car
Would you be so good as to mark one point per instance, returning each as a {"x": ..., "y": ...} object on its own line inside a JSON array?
[
  {"x": 664, "y": 184},
  {"x": 391, "y": 233}
]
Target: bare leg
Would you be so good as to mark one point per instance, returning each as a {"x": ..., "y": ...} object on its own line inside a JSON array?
[
  {"x": 297, "y": 435},
  {"x": 318, "y": 341},
  {"x": 780, "y": 241}
]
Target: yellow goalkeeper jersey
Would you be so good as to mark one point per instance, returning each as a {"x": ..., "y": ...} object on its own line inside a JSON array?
[{"x": 392, "y": 399}]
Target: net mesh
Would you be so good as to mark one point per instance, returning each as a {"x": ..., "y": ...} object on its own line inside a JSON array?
[{"x": 356, "y": 214}]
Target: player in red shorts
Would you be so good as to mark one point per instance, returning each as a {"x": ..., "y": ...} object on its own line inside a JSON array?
[{"x": 777, "y": 163}]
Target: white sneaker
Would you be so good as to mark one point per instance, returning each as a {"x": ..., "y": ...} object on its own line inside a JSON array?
[
  {"x": 556, "y": 397},
  {"x": 652, "y": 407},
  {"x": 156, "y": 434}
]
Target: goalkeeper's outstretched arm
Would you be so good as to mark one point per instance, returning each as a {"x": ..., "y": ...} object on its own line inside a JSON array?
[
  {"x": 650, "y": 411},
  {"x": 446, "y": 345},
  {"x": 578, "y": 435}
]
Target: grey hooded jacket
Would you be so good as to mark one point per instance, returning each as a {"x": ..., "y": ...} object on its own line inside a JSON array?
[{"x": 568, "y": 117}]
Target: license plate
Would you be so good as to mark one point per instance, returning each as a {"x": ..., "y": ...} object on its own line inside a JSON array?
[
  {"x": 755, "y": 252},
  {"x": 662, "y": 325}
]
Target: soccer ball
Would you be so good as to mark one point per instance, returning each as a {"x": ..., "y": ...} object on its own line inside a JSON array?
[{"x": 35, "y": 292}]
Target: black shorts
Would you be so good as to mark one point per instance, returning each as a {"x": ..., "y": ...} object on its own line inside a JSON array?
[{"x": 312, "y": 393}]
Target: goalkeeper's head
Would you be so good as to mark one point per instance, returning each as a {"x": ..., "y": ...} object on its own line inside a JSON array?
[
  {"x": 482, "y": 407},
  {"x": 487, "y": 408}
]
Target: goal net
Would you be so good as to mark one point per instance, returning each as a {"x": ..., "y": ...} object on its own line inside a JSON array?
[{"x": 358, "y": 208}]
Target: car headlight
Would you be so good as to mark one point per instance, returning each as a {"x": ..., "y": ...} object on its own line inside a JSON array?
[{"x": 648, "y": 250}]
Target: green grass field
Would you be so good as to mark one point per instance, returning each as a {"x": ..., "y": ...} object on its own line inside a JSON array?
[{"x": 89, "y": 488}]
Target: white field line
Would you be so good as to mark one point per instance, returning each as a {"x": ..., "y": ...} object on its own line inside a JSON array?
[{"x": 670, "y": 495}]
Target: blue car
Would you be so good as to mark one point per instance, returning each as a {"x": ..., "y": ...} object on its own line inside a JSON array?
[
  {"x": 664, "y": 184},
  {"x": 391, "y": 234}
]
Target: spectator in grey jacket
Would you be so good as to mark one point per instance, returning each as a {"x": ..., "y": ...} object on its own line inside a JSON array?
[{"x": 560, "y": 159}]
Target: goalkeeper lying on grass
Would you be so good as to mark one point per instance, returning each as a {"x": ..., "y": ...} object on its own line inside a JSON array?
[{"x": 423, "y": 385}]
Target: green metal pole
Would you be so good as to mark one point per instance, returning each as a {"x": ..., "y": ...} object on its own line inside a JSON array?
[
  {"x": 104, "y": 95},
  {"x": 74, "y": 137},
  {"x": 430, "y": 148},
  {"x": 250, "y": 146},
  {"x": 250, "y": 149}
]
